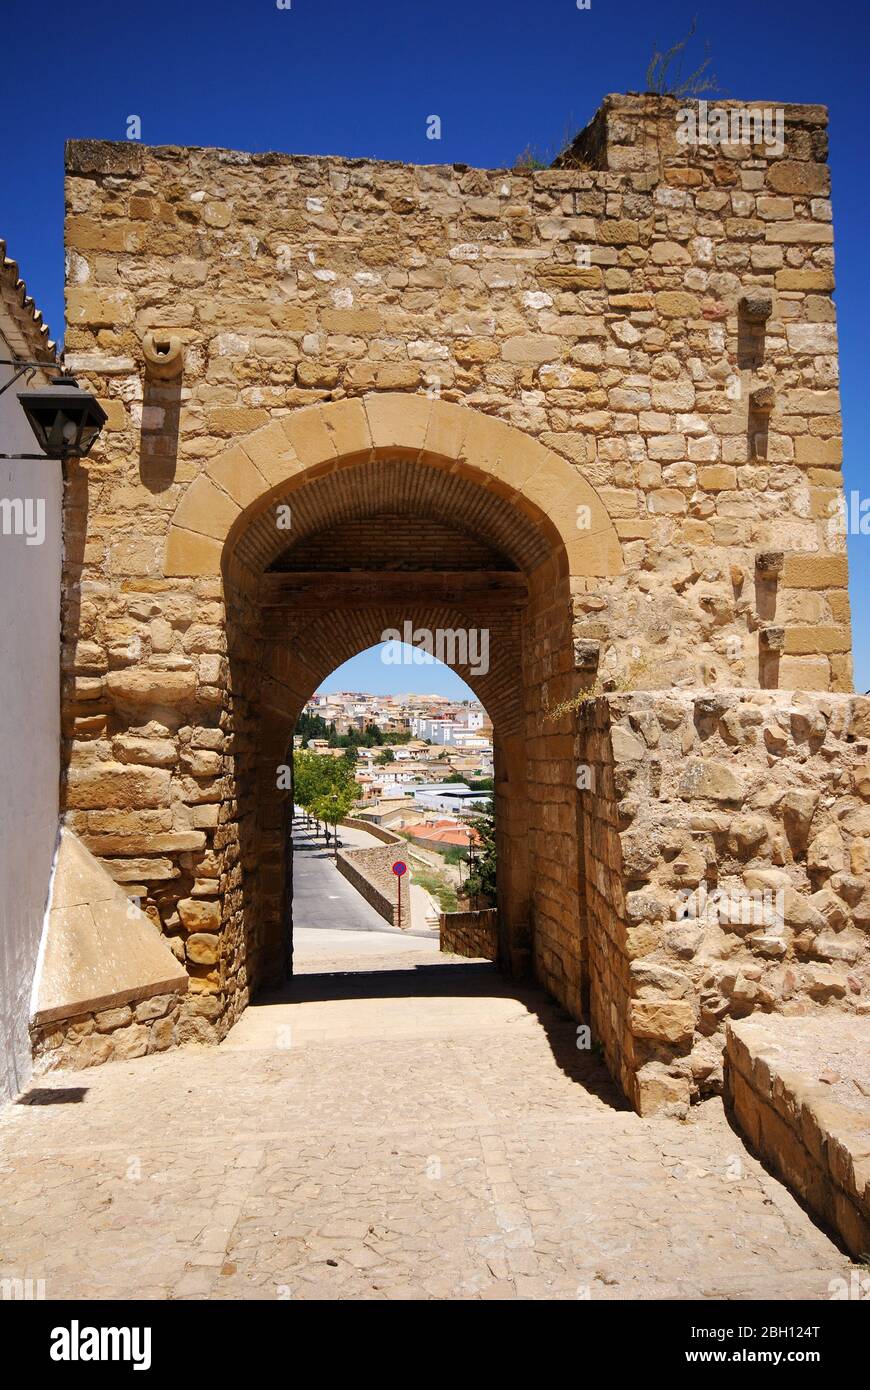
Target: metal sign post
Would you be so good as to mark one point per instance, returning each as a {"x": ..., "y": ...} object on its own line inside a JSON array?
[{"x": 399, "y": 868}]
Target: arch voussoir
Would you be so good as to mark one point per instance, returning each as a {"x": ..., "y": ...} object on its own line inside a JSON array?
[{"x": 294, "y": 449}]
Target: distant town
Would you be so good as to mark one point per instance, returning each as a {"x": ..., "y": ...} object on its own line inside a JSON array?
[{"x": 424, "y": 763}]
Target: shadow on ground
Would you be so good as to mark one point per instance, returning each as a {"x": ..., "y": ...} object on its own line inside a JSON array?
[{"x": 470, "y": 979}]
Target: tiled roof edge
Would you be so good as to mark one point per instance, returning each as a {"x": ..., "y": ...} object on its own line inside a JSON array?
[{"x": 30, "y": 318}]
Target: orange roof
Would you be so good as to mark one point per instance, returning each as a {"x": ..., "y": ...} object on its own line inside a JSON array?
[{"x": 440, "y": 834}]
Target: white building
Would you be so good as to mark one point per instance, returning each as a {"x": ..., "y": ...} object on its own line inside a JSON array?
[
  {"x": 454, "y": 798},
  {"x": 30, "y": 570},
  {"x": 440, "y": 731},
  {"x": 450, "y": 728}
]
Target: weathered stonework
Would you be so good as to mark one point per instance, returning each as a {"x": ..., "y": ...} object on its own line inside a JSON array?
[
  {"x": 561, "y": 399},
  {"x": 118, "y": 1034},
  {"x": 370, "y": 872},
  {"x": 727, "y": 840}
]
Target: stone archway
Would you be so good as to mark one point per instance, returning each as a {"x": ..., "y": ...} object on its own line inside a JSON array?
[
  {"x": 298, "y": 604},
  {"x": 401, "y": 508},
  {"x": 732, "y": 577}
]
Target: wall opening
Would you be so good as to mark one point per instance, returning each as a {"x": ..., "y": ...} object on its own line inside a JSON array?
[
  {"x": 396, "y": 729},
  {"x": 392, "y": 545}
]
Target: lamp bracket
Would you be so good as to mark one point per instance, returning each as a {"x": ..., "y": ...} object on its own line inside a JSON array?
[{"x": 27, "y": 369}]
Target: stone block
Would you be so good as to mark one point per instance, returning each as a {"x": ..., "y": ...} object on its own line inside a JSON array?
[{"x": 670, "y": 1022}]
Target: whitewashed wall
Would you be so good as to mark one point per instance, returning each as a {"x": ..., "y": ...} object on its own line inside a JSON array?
[{"x": 29, "y": 726}]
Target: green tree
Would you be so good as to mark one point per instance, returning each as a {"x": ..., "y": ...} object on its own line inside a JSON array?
[
  {"x": 387, "y": 756},
  {"x": 481, "y": 880},
  {"x": 309, "y": 779},
  {"x": 336, "y": 796},
  {"x": 313, "y": 726}
]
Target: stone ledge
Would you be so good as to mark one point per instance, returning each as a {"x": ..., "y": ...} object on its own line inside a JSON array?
[
  {"x": 98, "y": 951},
  {"x": 816, "y": 1138}
]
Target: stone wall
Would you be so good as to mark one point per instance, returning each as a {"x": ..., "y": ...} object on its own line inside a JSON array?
[
  {"x": 377, "y": 832},
  {"x": 153, "y": 1025},
  {"x": 726, "y": 847},
  {"x": 618, "y": 379},
  {"x": 805, "y": 1119},
  {"x": 370, "y": 872},
  {"x": 473, "y": 934},
  {"x": 288, "y": 280}
]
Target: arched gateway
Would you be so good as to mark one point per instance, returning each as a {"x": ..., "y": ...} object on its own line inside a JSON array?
[
  {"x": 339, "y": 522},
  {"x": 298, "y": 546}
]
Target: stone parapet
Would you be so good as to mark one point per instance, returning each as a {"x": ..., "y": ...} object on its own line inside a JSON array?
[
  {"x": 473, "y": 934},
  {"x": 370, "y": 872}
]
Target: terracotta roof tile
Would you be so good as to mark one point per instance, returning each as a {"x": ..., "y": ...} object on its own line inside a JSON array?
[{"x": 13, "y": 292}]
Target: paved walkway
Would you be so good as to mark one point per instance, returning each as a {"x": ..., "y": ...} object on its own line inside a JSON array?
[{"x": 408, "y": 1128}]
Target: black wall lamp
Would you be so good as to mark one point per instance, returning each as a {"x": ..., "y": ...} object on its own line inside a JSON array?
[{"x": 65, "y": 419}]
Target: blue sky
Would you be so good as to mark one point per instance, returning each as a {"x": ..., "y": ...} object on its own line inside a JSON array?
[
  {"x": 423, "y": 675},
  {"x": 360, "y": 77}
]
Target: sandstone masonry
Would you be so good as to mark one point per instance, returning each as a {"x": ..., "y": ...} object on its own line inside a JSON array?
[{"x": 606, "y": 396}]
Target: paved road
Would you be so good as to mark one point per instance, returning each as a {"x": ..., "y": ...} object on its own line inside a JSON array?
[
  {"x": 329, "y": 915},
  {"x": 394, "y": 1124},
  {"x": 420, "y": 1131}
]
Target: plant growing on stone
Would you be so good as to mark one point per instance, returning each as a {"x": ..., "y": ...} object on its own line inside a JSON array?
[
  {"x": 610, "y": 685},
  {"x": 528, "y": 160},
  {"x": 664, "y": 75},
  {"x": 532, "y": 158}
]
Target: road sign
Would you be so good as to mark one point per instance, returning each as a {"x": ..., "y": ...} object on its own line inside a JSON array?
[{"x": 399, "y": 868}]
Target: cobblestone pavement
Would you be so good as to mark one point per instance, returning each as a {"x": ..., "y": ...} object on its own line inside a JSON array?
[{"x": 416, "y": 1131}]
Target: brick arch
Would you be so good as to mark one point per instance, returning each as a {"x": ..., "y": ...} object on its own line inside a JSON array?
[
  {"x": 290, "y": 674},
  {"x": 276, "y": 460},
  {"x": 406, "y": 490}
]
